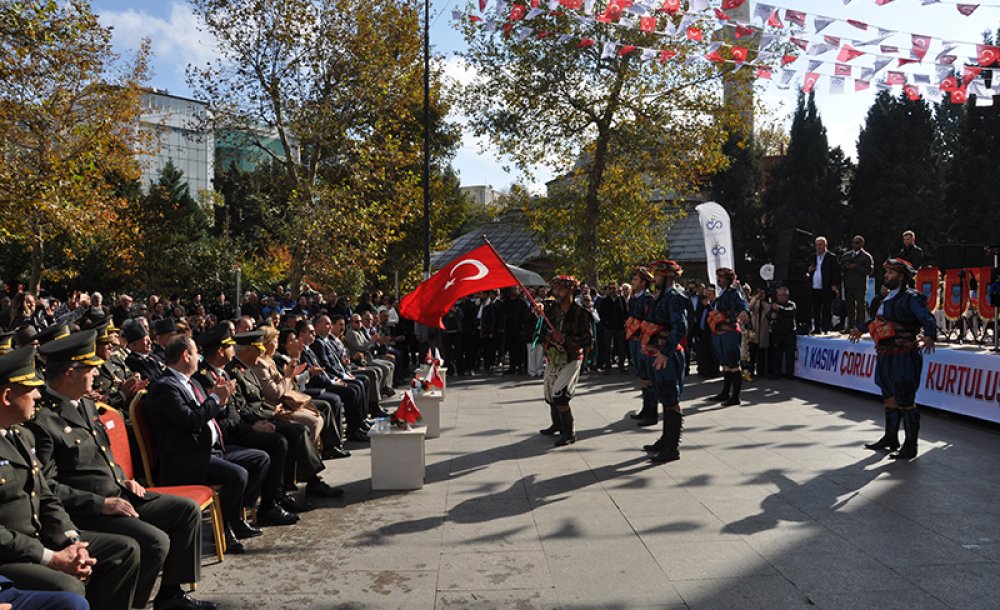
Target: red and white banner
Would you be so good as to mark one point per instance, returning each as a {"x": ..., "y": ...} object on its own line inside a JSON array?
[{"x": 956, "y": 381}]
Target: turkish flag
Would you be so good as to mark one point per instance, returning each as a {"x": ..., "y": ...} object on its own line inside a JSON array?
[
  {"x": 407, "y": 410},
  {"x": 731, "y": 4},
  {"x": 435, "y": 378},
  {"x": 478, "y": 270},
  {"x": 810, "y": 82},
  {"x": 987, "y": 54}
]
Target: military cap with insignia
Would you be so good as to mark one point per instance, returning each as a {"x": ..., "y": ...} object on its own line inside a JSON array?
[
  {"x": 253, "y": 337},
  {"x": 133, "y": 330},
  {"x": 105, "y": 332},
  {"x": 18, "y": 367},
  {"x": 79, "y": 347},
  {"x": 52, "y": 333},
  {"x": 220, "y": 334},
  {"x": 6, "y": 342},
  {"x": 164, "y": 326}
]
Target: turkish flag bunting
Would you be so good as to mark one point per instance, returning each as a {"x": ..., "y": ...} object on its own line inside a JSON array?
[
  {"x": 478, "y": 270},
  {"x": 671, "y": 6},
  {"x": 764, "y": 73},
  {"x": 842, "y": 70},
  {"x": 666, "y": 55},
  {"x": 912, "y": 92},
  {"x": 787, "y": 59},
  {"x": 847, "y": 53},
  {"x": 965, "y": 9},
  {"x": 987, "y": 55},
  {"x": 861, "y": 25},
  {"x": 861, "y": 85},
  {"x": 516, "y": 12},
  {"x": 949, "y": 84},
  {"x": 882, "y": 2},
  {"x": 895, "y": 78},
  {"x": 796, "y": 17},
  {"x": 721, "y": 15},
  {"x": 740, "y": 54},
  {"x": 694, "y": 33},
  {"x": 920, "y": 45},
  {"x": 731, "y": 4},
  {"x": 960, "y": 96},
  {"x": 774, "y": 20},
  {"x": 970, "y": 73},
  {"x": 744, "y": 30},
  {"x": 810, "y": 82},
  {"x": 647, "y": 24}
]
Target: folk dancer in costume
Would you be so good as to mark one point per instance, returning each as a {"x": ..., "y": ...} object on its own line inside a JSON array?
[
  {"x": 565, "y": 342},
  {"x": 638, "y": 310},
  {"x": 663, "y": 343},
  {"x": 729, "y": 312},
  {"x": 902, "y": 315}
]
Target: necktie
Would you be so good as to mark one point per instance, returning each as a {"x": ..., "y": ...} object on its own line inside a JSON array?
[{"x": 200, "y": 397}]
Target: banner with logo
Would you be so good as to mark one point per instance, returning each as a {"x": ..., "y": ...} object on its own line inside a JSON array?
[
  {"x": 952, "y": 380},
  {"x": 716, "y": 228}
]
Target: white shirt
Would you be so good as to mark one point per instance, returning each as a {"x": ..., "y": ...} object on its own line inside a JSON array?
[
  {"x": 818, "y": 274},
  {"x": 881, "y": 307},
  {"x": 186, "y": 384}
]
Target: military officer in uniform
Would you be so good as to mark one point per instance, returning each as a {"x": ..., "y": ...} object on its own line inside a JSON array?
[
  {"x": 729, "y": 312},
  {"x": 139, "y": 359},
  {"x": 75, "y": 452},
  {"x": 304, "y": 458},
  {"x": 663, "y": 342},
  {"x": 6, "y": 342},
  {"x": 40, "y": 547},
  {"x": 903, "y": 328},
  {"x": 114, "y": 385},
  {"x": 638, "y": 311},
  {"x": 276, "y": 507},
  {"x": 51, "y": 333}
]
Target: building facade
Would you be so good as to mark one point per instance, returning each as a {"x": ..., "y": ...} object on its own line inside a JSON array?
[{"x": 179, "y": 135}]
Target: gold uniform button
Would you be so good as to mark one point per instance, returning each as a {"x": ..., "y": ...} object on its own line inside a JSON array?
[
  {"x": 77, "y": 441},
  {"x": 3, "y": 481},
  {"x": 33, "y": 494}
]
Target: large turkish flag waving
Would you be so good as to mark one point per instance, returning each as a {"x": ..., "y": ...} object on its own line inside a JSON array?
[{"x": 475, "y": 271}]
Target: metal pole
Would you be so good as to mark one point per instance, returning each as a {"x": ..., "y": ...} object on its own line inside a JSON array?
[
  {"x": 239, "y": 301},
  {"x": 427, "y": 139},
  {"x": 396, "y": 284}
]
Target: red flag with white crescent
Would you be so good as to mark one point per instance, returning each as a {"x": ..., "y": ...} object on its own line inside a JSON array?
[
  {"x": 477, "y": 270},
  {"x": 435, "y": 378}
]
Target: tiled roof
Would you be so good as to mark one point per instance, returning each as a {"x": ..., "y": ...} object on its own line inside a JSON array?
[
  {"x": 508, "y": 234},
  {"x": 685, "y": 240}
]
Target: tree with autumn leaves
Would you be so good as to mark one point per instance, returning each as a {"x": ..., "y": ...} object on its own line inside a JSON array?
[{"x": 69, "y": 106}]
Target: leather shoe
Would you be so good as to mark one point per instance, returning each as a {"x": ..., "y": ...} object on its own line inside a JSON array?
[
  {"x": 335, "y": 453},
  {"x": 358, "y": 437},
  {"x": 293, "y": 505},
  {"x": 242, "y": 529},
  {"x": 649, "y": 421},
  {"x": 276, "y": 515},
  {"x": 233, "y": 546},
  {"x": 319, "y": 488},
  {"x": 182, "y": 602}
]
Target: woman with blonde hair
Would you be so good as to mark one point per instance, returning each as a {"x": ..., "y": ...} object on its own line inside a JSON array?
[{"x": 279, "y": 388}]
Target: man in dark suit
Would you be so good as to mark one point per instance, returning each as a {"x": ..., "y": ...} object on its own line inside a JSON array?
[
  {"x": 74, "y": 449},
  {"x": 40, "y": 547},
  {"x": 165, "y": 329},
  {"x": 320, "y": 381},
  {"x": 824, "y": 274},
  {"x": 189, "y": 441},
  {"x": 333, "y": 355},
  {"x": 911, "y": 252},
  {"x": 276, "y": 506},
  {"x": 139, "y": 359}
]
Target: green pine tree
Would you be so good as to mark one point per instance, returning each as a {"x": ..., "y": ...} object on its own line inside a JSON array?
[
  {"x": 807, "y": 189},
  {"x": 897, "y": 185}
]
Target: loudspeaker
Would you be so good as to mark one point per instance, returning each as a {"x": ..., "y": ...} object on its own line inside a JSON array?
[{"x": 793, "y": 255}]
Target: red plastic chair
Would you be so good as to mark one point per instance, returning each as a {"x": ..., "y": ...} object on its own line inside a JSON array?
[{"x": 205, "y": 496}]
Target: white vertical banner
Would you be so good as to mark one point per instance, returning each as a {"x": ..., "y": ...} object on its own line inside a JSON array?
[{"x": 716, "y": 228}]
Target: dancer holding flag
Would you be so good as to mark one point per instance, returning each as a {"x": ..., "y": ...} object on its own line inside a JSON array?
[{"x": 567, "y": 334}]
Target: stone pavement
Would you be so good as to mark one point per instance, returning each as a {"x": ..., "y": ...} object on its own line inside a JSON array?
[{"x": 773, "y": 505}]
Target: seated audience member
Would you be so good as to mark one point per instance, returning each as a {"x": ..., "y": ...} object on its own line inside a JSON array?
[
  {"x": 140, "y": 360},
  {"x": 189, "y": 443},
  {"x": 40, "y": 546}
]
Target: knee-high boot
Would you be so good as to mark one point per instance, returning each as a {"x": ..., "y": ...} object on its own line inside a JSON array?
[
  {"x": 673, "y": 424},
  {"x": 911, "y": 426},
  {"x": 567, "y": 435},
  {"x": 649, "y": 408},
  {"x": 890, "y": 439},
  {"x": 554, "y": 428},
  {"x": 661, "y": 442},
  {"x": 727, "y": 382},
  {"x": 737, "y": 380}
]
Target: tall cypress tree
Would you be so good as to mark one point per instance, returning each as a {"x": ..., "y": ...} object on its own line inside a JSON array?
[
  {"x": 897, "y": 185},
  {"x": 807, "y": 188},
  {"x": 737, "y": 189}
]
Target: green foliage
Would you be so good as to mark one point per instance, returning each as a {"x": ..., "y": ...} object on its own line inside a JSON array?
[
  {"x": 738, "y": 189},
  {"x": 628, "y": 137},
  {"x": 807, "y": 190},
  {"x": 897, "y": 185}
]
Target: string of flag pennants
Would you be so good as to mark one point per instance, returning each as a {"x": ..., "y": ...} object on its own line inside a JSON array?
[{"x": 694, "y": 27}]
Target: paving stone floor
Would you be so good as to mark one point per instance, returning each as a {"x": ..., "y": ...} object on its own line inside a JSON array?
[{"x": 774, "y": 504}]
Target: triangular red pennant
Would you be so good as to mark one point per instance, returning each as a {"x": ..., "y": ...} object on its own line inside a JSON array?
[
  {"x": 970, "y": 73},
  {"x": 731, "y": 4},
  {"x": 666, "y": 55},
  {"x": 967, "y": 9},
  {"x": 517, "y": 12},
  {"x": 904, "y": 61},
  {"x": 774, "y": 20},
  {"x": 810, "y": 82},
  {"x": 764, "y": 73},
  {"x": 861, "y": 85},
  {"x": 740, "y": 54},
  {"x": 626, "y": 49},
  {"x": 787, "y": 59},
  {"x": 436, "y": 380},
  {"x": 586, "y": 42},
  {"x": 721, "y": 15},
  {"x": 744, "y": 30},
  {"x": 861, "y": 25},
  {"x": 920, "y": 45}
]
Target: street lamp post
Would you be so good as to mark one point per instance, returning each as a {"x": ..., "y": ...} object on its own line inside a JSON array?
[{"x": 427, "y": 139}]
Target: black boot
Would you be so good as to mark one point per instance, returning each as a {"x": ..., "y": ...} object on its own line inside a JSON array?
[
  {"x": 554, "y": 428},
  {"x": 673, "y": 424},
  {"x": 737, "y": 380},
  {"x": 567, "y": 435},
  {"x": 727, "y": 382},
  {"x": 889, "y": 440},
  {"x": 911, "y": 425},
  {"x": 661, "y": 443},
  {"x": 649, "y": 408}
]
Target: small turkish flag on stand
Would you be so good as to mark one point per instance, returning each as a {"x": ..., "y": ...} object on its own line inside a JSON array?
[
  {"x": 478, "y": 270},
  {"x": 407, "y": 411},
  {"x": 435, "y": 378}
]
